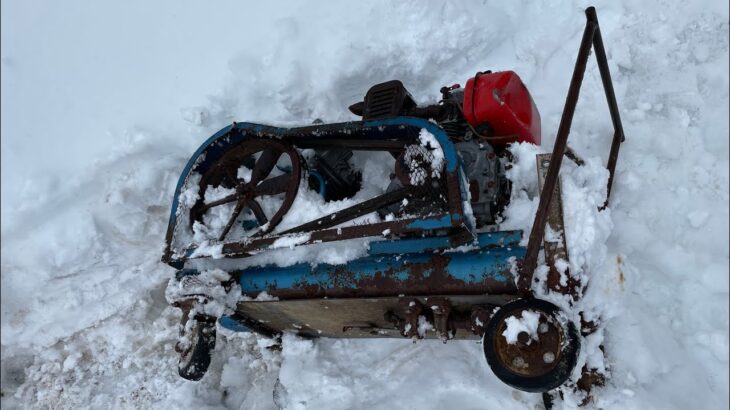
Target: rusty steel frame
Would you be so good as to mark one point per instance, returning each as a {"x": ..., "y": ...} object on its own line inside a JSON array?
[
  {"x": 452, "y": 219},
  {"x": 591, "y": 39}
]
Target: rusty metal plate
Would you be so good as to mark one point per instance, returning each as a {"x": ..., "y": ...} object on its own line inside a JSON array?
[
  {"x": 352, "y": 318},
  {"x": 556, "y": 248}
]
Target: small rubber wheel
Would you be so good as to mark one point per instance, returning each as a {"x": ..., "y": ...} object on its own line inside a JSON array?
[
  {"x": 537, "y": 362},
  {"x": 194, "y": 360}
]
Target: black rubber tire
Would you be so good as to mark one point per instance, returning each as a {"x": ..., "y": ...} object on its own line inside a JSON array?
[
  {"x": 540, "y": 384},
  {"x": 194, "y": 362}
]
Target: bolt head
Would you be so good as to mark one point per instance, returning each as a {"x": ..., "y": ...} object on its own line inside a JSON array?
[{"x": 548, "y": 357}]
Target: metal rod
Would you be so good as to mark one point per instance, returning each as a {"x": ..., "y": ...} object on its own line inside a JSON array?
[
  {"x": 605, "y": 73},
  {"x": 355, "y": 211},
  {"x": 612, "y": 159},
  {"x": 574, "y": 157},
  {"x": 538, "y": 227},
  {"x": 618, "y": 136},
  {"x": 351, "y": 144},
  {"x": 402, "y": 226}
]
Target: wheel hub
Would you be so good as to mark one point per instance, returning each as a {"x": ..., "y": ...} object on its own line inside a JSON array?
[
  {"x": 530, "y": 356},
  {"x": 248, "y": 193},
  {"x": 245, "y": 191},
  {"x": 530, "y": 346}
]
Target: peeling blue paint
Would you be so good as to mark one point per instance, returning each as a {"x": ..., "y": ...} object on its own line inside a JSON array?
[
  {"x": 232, "y": 324},
  {"x": 472, "y": 267},
  {"x": 436, "y": 223},
  {"x": 401, "y": 246}
]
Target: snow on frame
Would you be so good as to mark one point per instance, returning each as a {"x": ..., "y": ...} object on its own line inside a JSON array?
[{"x": 307, "y": 206}]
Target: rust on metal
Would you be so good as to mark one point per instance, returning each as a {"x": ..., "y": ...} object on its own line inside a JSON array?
[
  {"x": 274, "y": 142},
  {"x": 618, "y": 135},
  {"x": 359, "y": 317},
  {"x": 530, "y": 357},
  {"x": 591, "y": 39},
  {"x": 403, "y": 226},
  {"x": 428, "y": 277},
  {"x": 588, "y": 379},
  {"x": 411, "y": 309},
  {"x": 355, "y": 211},
  {"x": 546, "y": 208},
  {"x": 225, "y": 174},
  {"x": 555, "y": 246},
  {"x": 479, "y": 318},
  {"x": 537, "y": 233},
  {"x": 441, "y": 309},
  {"x": 573, "y": 156}
]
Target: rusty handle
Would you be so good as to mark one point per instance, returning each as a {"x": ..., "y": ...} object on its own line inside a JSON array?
[
  {"x": 561, "y": 140},
  {"x": 618, "y": 129},
  {"x": 591, "y": 38}
]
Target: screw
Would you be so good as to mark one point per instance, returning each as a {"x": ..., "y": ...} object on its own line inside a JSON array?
[
  {"x": 518, "y": 362},
  {"x": 543, "y": 328}
]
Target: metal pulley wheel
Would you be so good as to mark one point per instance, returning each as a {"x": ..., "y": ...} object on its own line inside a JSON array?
[
  {"x": 246, "y": 170},
  {"x": 542, "y": 355}
]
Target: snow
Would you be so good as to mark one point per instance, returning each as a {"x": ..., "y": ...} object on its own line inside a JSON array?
[
  {"x": 528, "y": 322},
  {"x": 107, "y": 110},
  {"x": 436, "y": 157},
  {"x": 206, "y": 248},
  {"x": 244, "y": 173},
  {"x": 261, "y": 297},
  {"x": 429, "y": 151},
  {"x": 333, "y": 253},
  {"x": 307, "y": 206},
  {"x": 423, "y": 326},
  {"x": 210, "y": 283},
  {"x": 190, "y": 193},
  {"x": 290, "y": 241}
]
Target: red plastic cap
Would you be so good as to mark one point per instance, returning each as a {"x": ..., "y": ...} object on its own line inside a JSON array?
[{"x": 501, "y": 100}]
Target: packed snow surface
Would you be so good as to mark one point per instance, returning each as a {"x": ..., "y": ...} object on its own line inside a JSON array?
[{"x": 103, "y": 104}]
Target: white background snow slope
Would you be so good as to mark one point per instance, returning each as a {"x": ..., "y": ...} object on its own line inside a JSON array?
[{"x": 103, "y": 103}]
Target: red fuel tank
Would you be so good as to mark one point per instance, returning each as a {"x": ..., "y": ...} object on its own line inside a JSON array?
[{"x": 501, "y": 100}]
